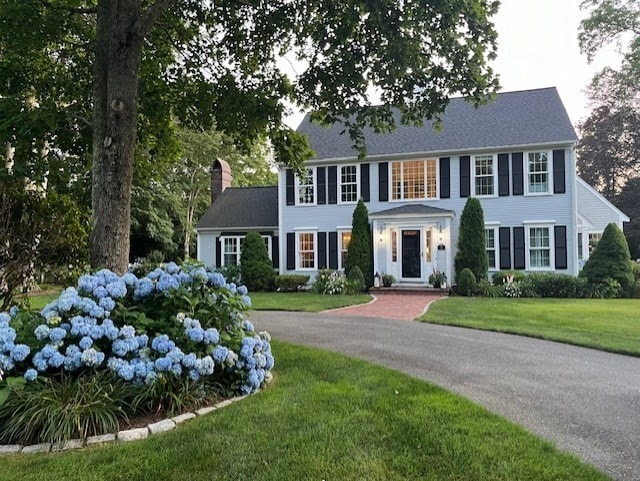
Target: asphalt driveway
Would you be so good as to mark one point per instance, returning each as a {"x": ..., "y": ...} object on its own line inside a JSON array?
[{"x": 587, "y": 402}]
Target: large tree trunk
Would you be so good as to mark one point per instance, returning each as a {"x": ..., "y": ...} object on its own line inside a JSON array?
[{"x": 115, "y": 96}]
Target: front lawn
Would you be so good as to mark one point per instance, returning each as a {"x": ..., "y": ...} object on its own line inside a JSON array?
[
  {"x": 326, "y": 417},
  {"x": 303, "y": 301},
  {"x": 605, "y": 324}
]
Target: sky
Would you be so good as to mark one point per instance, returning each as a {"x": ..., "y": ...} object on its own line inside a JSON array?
[{"x": 538, "y": 47}]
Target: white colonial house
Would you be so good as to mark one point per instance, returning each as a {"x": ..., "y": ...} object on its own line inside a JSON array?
[{"x": 516, "y": 155}]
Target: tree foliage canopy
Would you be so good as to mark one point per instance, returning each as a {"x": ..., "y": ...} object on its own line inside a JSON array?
[{"x": 90, "y": 78}]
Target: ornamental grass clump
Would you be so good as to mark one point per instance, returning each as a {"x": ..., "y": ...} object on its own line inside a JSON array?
[{"x": 169, "y": 340}]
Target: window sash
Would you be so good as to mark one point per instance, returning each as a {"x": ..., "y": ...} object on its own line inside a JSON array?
[
  {"x": 490, "y": 244},
  {"x": 348, "y": 183},
  {"x": 538, "y": 172},
  {"x": 484, "y": 175},
  {"x": 414, "y": 179},
  {"x": 306, "y": 188},
  {"x": 539, "y": 247},
  {"x": 306, "y": 250},
  {"x": 345, "y": 240}
]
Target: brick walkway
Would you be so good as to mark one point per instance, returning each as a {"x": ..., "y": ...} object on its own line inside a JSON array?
[{"x": 404, "y": 307}]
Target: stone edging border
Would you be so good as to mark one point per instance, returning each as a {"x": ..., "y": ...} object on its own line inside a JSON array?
[
  {"x": 329, "y": 311},
  {"x": 122, "y": 436}
]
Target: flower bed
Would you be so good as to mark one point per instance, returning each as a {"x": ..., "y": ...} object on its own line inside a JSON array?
[{"x": 123, "y": 346}]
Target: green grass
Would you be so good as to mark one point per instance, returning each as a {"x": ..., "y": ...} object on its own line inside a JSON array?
[
  {"x": 325, "y": 417},
  {"x": 303, "y": 301},
  {"x": 606, "y": 324}
]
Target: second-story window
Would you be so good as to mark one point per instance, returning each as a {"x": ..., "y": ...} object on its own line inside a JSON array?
[
  {"x": 415, "y": 179},
  {"x": 348, "y": 183},
  {"x": 306, "y": 187},
  {"x": 484, "y": 175},
  {"x": 538, "y": 173}
]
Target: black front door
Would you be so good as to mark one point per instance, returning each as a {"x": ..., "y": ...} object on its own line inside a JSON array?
[{"x": 411, "y": 254}]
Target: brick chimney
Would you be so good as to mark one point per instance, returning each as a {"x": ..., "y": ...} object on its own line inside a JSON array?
[{"x": 220, "y": 178}]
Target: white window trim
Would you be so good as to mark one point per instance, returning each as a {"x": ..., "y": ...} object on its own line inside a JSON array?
[
  {"x": 340, "y": 232},
  {"x": 552, "y": 249},
  {"x": 496, "y": 245},
  {"x": 340, "y": 167},
  {"x": 223, "y": 253},
  {"x": 315, "y": 251},
  {"x": 297, "y": 186},
  {"x": 418, "y": 199},
  {"x": 549, "y": 172},
  {"x": 494, "y": 163},
  {"x": 239, "y": 239}
]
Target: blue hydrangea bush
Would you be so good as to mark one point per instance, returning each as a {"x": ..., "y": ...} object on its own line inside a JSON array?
[{"x": 174, "y": 326}]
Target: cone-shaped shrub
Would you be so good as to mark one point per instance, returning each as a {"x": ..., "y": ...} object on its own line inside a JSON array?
[
  {"x": 359, "y": 252},
  {"x": 611, "y": 259},
  {"x": 471, "y": 245},
  {"x": 466, "y": 282},
  {"x": 256, "y": 270}
]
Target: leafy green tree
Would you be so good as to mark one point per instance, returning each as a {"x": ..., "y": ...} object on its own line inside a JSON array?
[
  {"x": 610, "y": 260},
  {"x": 37, "y": 231},
  {"x": 256, "y": 270},
  {"x": 628, "y": 201},
  {"x": 471, "y": 247},
  {"x": 120, "y": 70},
  {"x": 359, "y": 252}
]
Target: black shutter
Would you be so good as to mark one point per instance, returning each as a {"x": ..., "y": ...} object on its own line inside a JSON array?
[
  {"x": 275, "y": 251},
  {"x": 383, "y": 181},
  {"x": 518, "y": 248},
  {"x": 322, "y": 185},
  {"x": 560, "y": 239},
  {"x": 505, "y": 247},
  {"x": 322, "y": 250},
  {"x": 365, "y": 191},
  {"x": 558, "y": 172},
  {"x": 333, "y": 250},
  {"x": 518, "y": 173},
  {"x": 503, "y": 175},
  {"x": 333, "y": 184},
  {"x": 465, "y": 175},
  {"x": 218, "y": 252},
  {"x": 291, "y": 251},
  {"x": 445, "y": 178},
  {"x": 291, "y": 198}
]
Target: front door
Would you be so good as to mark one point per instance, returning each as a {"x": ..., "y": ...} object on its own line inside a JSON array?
[{"x": 411, "y": 254}]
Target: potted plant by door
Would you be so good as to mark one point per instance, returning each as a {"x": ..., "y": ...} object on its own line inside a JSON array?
[
  {"x": 438, "y": 279},
  {"x": 388, "y": 280}
]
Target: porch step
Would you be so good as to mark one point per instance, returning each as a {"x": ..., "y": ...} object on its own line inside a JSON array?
[{"x": 409, "y": 290}]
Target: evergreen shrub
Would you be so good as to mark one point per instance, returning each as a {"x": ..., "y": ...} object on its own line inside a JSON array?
[
  {"x": 466, "y": 282},
  {"x": 360, "y": 252},
  {"x": 611, "y": 260},
  {"x": 256, "y": 269},
  {"x": 471, "y": 247}
]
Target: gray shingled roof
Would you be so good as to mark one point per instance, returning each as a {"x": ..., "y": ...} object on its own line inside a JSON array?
[
  {"x": 242, "y": 207},
  {"x": 412, "y": 209},
  {"x": 514, "y": 118}
]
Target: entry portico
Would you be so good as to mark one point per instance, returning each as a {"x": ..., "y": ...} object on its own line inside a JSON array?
[{"x": 412, "y": 241}]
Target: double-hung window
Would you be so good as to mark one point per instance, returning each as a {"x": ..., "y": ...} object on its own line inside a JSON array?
[
  {"x": 539, "y": 247},
  {"x": 348, "y": 184},
  {"x": 306, "y": 251},
  {"x": 491, "y": 246},
  {"x": 414, "y": 179},
  {"x": 231, "y": 251},
  {"x": 538, "y": 173},
  {"x": 484, "y": 175},
  {"x": 345, "y": 240},
  {"x": 306, "y": 187}
]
